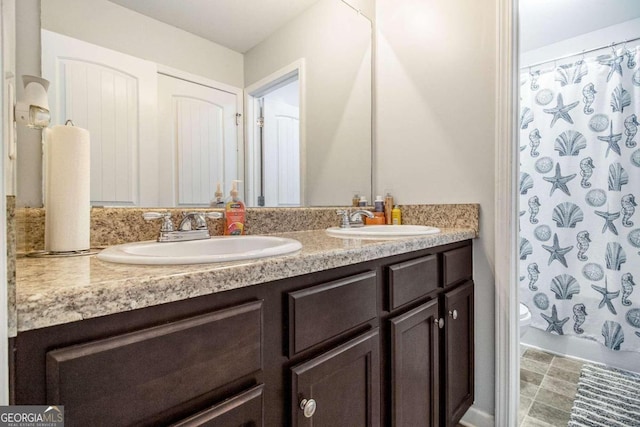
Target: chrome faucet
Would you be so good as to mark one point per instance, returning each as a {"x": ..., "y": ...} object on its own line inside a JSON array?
[
  {"x": 353, "y": 219},
  {"x": 192, "y": 227}
]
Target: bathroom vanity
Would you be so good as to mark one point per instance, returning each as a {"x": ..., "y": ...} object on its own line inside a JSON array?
[{"x": 346, "y": 332}]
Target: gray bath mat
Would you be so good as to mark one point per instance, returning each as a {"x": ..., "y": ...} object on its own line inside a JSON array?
[{"x": 606, "y": 397}]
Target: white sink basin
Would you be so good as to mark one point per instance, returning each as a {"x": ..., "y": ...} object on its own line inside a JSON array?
[
  {"x": 216, "y": 249},
  {"x": 382, "y": 231}
]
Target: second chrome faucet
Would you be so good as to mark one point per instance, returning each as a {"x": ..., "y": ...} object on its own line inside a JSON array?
[{"x": 353, "y": 219}]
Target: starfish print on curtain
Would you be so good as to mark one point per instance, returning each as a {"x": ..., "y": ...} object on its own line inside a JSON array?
[{"x": 579, "y": 192}]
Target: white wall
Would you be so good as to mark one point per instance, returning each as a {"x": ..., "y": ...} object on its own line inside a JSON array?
[
  {"x": 109, "y": 25},
  {"x": 602, "y": 37},
  {"x": 435, "y": 95},
  {"x": 9, "y": 84},
  {"x": 29, "y": 141},
  {"x": 336, "y": 45},
  {"x": 545, "y": 22}
]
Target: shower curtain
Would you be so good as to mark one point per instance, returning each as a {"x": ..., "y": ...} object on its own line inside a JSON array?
[{"x": 579, "y": 195}]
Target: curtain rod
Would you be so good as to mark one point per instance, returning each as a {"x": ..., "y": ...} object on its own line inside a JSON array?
[{"x": 580, "y": 53}]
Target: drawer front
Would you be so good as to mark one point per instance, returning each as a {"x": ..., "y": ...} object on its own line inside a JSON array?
[
  {"x": 244, "y": 409},
  {"x": 327, "y": 310},
  {"x": 133, "y": 376},
  {"x": 412, "y": 279},
  {"x": 457, "y": 265}
]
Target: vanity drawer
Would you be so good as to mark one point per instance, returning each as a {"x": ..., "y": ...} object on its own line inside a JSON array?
[
  {"x": 457, "y": 265},
  {"x": 244, "y": 409},
  {"x": 412, "y": 279},
  {"x": 132, "y": 376},
  {"x": 329, "y": 309}
]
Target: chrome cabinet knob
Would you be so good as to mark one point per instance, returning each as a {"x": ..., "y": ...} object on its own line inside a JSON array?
[
  {"x": 308, "y": 407},
  {"x": 454, "y": 314},
  {"x": 438, "y": 323}
]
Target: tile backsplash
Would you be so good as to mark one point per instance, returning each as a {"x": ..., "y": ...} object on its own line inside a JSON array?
[{"x": 111, "y": 226}]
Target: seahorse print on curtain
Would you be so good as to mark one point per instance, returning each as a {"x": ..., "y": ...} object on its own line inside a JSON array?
[{"x": 579, "y": 195}]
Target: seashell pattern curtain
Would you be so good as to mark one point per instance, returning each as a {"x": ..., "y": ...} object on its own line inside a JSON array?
[{"x": 579, "y": 195}]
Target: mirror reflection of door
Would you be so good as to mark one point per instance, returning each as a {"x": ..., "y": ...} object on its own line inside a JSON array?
[
  {"x": 103, "y": 91},
  {"x": 280, "y": 142},
  {"x": 156, "y": 140},
  {"x": 197, "y": 136}
]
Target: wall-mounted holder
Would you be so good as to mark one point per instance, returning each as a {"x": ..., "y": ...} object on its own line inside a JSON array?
[{"x": 32, "y": 110}]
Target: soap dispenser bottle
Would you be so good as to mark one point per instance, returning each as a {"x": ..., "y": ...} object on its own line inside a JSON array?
[
  {"x": 235, "y": 213},
  {"x": 218, "y": 202}
]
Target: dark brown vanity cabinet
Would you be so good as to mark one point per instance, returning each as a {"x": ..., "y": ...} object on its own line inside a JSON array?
[
  {"x": 387, "y": 342},
  {"x": 431, "y": 340}
]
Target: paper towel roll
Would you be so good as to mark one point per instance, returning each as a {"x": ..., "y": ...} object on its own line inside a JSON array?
[{"x": 67, "y": 204}]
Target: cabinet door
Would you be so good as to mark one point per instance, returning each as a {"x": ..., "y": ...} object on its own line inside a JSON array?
[
  {"x": 458, "y": 360},
  {"x": 414, "y": 367},
  {"x": 343, "y": 383}
]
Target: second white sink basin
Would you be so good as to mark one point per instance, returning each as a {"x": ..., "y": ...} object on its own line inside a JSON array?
[
  {"x": 382, "y": 231},
  {"x": 216, "y": 249}
]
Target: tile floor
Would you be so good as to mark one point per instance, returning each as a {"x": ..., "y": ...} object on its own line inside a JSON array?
[{"x": 547, "y": 389}]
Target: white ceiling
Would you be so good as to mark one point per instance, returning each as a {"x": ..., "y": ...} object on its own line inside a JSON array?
[
  {"x": 236, "y": 24},
  {"x": 543, "y": 22}
]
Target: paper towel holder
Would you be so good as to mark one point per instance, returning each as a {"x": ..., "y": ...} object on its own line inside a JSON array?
[{"x": 32, "y": 110}]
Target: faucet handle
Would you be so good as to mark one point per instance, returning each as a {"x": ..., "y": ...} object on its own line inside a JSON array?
[
  {"x": 167, "y": 224},
  {"x": 344, "y": 213}
]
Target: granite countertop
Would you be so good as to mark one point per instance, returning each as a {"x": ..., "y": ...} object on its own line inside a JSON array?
[{"x": 53, "y": 291}]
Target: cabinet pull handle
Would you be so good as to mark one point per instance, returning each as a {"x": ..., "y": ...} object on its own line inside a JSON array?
[
  {"x": 308, "y": 407},
  {"x": 439, "y": 323},
  {"x": 454, "y": 314}
]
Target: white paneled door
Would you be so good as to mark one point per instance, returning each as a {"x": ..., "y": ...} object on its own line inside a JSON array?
[
  {"x": 197, "y": 141},
  {"x": 112, "y": 95},
  {"x": 281, "y": 153}
]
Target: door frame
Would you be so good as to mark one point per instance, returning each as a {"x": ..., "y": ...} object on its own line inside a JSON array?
[
  {"x": 252, "y": 93},
  {"x": 507, "y": 360}
]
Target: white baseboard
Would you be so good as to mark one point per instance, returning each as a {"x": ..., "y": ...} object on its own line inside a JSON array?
[{"x": 477, "y": 418}]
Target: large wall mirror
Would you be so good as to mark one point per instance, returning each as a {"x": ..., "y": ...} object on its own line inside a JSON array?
[{"x": 184, "y": 97}]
